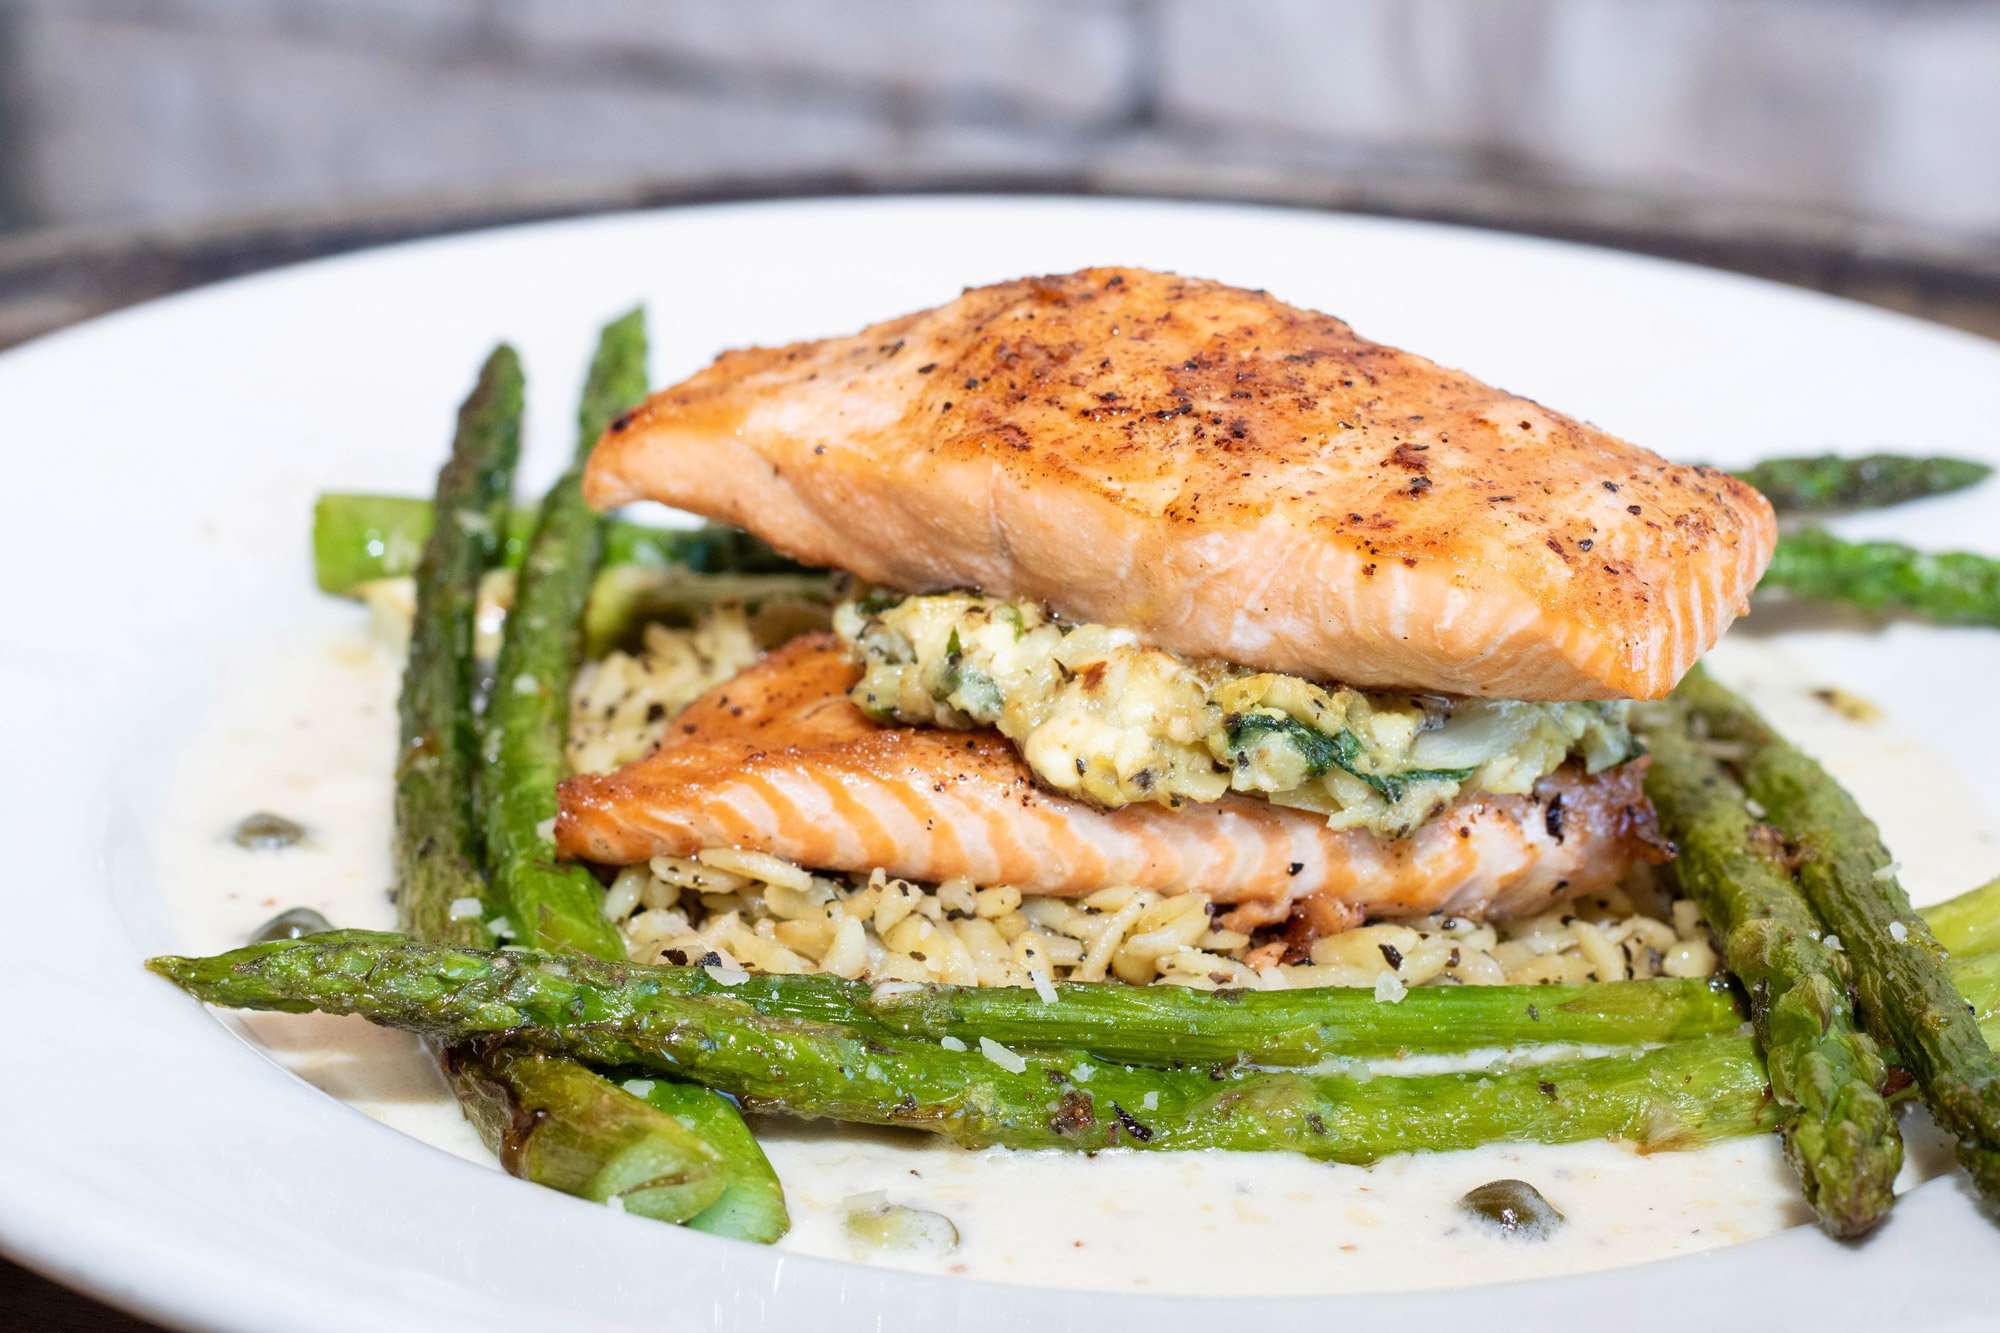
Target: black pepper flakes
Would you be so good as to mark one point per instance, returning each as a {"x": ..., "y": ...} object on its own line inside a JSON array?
[{"x": 1141, "y": 1132}]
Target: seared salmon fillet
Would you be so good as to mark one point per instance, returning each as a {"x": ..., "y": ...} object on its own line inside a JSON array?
[
  {"x": 780, "y": 760},
  {"x": 1226, "y": 475}
]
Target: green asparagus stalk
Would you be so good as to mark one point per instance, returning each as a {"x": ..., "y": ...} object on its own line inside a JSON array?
[
  {"x": 752, "y": 1203},
  {"x": 556, "y": 1123},
  {"x": 1173, "y": 1025},
  {"x": 1673, "y": 1096},
  {"x": 553, "y": 1122},
  {"x": 1977, "y": 977},
  {"x": 552, "y": 904},
  {"x": 1950, "y": 587},
  {"x": 359, "y": 538},
  {"x": 556, "y": 905},
  {"x": 1906, "y": 996},
  {"x": 1829, "y": 483},
  {"x": 438, "y": 857},
  {"x": 1839, "y": 1132},
  {"x": 821, "y": 1002},
  {"x": 1970, "y": 923}
]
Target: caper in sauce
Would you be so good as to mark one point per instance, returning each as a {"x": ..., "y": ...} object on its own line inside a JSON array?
[
  {"x": 873, "y": 1223},
  {"x": 266, "y": 832},
  {"x": 291, "y": 924},
  {"x": 1514, "y": 1208}
]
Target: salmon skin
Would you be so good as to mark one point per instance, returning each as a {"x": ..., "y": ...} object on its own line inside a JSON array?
[
  {"x": 780, "y": 760},
  {"x": 1228, "y": 476}
]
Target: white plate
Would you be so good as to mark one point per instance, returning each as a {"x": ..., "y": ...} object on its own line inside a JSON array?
[{"x": 161, "y": 465}]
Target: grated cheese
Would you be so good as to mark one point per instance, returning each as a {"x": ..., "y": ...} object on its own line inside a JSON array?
[{"x": 1001, "y": 1056}]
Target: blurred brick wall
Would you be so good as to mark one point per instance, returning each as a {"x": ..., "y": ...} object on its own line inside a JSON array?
[{"x": 139, "y": 111}]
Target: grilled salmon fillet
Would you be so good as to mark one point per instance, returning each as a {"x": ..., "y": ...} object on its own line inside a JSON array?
[
  {"x": 780, "y": 760},
  {"x": 1229, "y": 476}
]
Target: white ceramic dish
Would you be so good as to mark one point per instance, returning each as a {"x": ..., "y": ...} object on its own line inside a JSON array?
[{"x": 163, "y": 462}]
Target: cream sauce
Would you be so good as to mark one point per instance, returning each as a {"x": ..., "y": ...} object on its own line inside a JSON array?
[{"x": 313, "y": 739}]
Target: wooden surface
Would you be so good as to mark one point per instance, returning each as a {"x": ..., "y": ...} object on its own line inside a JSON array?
[{"x": 49, "y": 281}]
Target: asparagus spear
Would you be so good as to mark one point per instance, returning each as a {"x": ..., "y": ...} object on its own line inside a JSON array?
[
  {"x": 1970, "y": 923},
  {"x": 1840, "y": 1134},
  {"x": 437, "y": 838},
  {"x": 1950, "y": 587},
  {"x": 1906, "y": 997},
  {"x": 552, "y": 1122},
  {"x": 828, "y": 1004},
  {"x": 1828, "y": 483},
  {"x": 554, "y": 905},
  {"x": 1170, "y": 1024},
  {"x": 556, "y": 1123},
  {"x": 752, "y": 1203},
  {"x": 1677, "y": 1095},
  {"x": 360, "y": 538}
]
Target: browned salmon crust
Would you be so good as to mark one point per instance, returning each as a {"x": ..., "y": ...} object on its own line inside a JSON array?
[{"x": 1229, "y": 476}]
